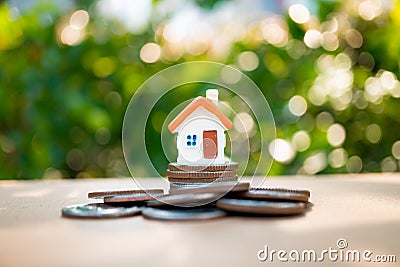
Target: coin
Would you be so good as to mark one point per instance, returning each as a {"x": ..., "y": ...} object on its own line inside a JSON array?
[
  {"x": 183, "y": 214},
  {"x": 217, "y": 167},
  {"x": 203, "y": 174},
  {"x": 179, "y": 185},
  {"x": 187, "y": 200},
  {"x": 140, "y": 197},
  {"x": 203, "y": 180},
  {"x": 98, "y": 211},
  {"x": 213, "y": 188},
  {"x": 102, "y": 194},
  {"x": 261, "y": 193},
  {"x": 261, "y": 207},
  {"x": 297, "y": 191}
]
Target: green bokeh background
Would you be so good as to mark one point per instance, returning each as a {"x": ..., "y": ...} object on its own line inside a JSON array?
[{"x": 62, "y": 104}]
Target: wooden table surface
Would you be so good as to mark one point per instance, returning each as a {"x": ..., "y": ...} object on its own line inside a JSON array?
[{"x": 362, "y": 209}]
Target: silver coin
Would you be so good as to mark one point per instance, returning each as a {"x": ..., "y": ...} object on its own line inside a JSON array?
[
  {"x": 184, "y": 214},
  {"x": 283, "y": 190},
  {"x": 261, "y": 207},
  {"x": 188, "y": 200},
  {"x": 221, "y": 188},
  {"x": 179, "y": 186},
  {"x": 98, "y": 211}
]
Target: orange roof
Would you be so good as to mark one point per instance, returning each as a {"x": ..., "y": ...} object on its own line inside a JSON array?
[{"x": 199, "y": 102}]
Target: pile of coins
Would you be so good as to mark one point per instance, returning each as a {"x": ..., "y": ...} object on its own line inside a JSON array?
[
  {"x": 209, "y": 201},
  {"x": 183, "y": 176}
]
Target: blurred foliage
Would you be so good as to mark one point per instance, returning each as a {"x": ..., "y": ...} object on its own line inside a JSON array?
[{"x": 65, "y": 83}]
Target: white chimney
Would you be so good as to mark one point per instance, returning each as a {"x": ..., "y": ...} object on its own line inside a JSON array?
[{"x": 212, "y": 94}]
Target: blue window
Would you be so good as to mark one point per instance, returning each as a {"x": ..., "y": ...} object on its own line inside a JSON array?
[{"x": 191, "y": 140}]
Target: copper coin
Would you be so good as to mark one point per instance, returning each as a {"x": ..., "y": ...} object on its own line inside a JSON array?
[
  {"x": 213, "y": 188},
  {"x": 297, "y": 191},
  {"x": 261, "y": 207},
  {"x": 203, "y": 174},
  {"x": 140, "y": 197},
  {"x": 214, "y": 167},
  {"x": 203, "y": 180},
  {"x": 102, "y": 194},
  {"x": 183, "y": 214},
  {"x": 187, "y": 200},
  {"x": 98, "y": 211},
  {"x": 271, "y": 195}
]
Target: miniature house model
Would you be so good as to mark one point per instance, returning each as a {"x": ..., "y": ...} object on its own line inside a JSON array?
[{"x": 201, "y": 130}]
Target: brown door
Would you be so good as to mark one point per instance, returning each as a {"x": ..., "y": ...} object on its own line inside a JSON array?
[{"x": 210, "y": 144}]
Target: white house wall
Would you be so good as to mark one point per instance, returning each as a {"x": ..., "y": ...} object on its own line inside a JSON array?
[{"x": 196, "y": 125}]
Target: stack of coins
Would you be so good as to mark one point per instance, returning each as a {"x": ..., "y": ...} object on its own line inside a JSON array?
[
  {"x": 188, "y": 176},
  {"x": 213, "y": 200}
]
